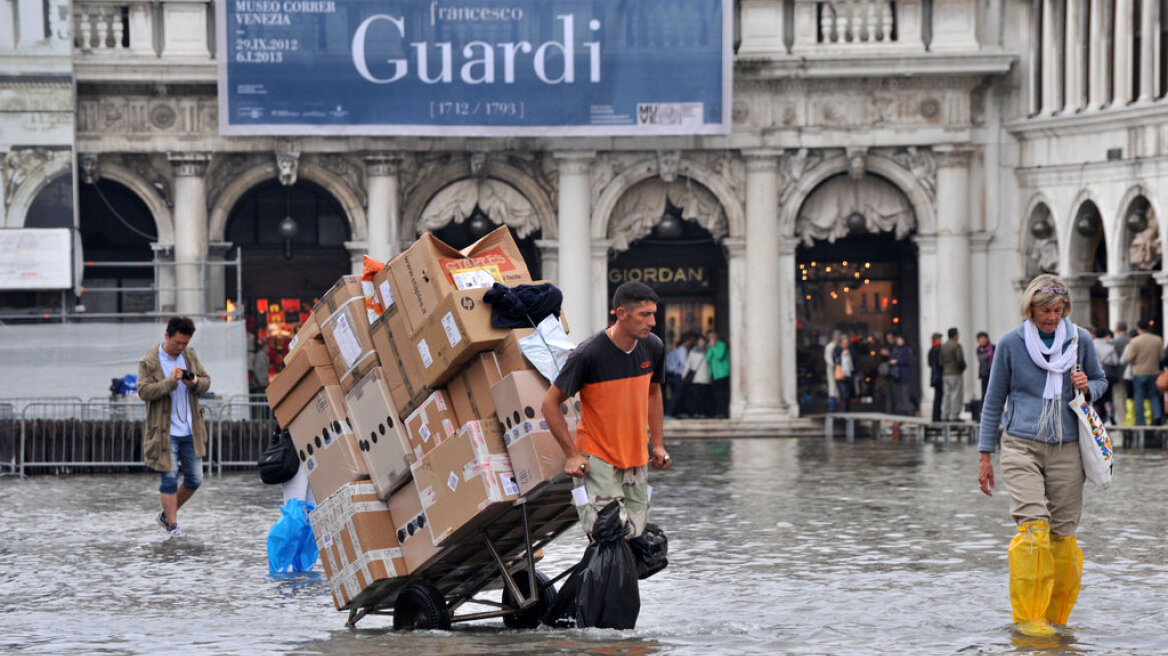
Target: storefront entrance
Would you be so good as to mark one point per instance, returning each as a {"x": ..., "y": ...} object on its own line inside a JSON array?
[{"x": 864, "y": 288}]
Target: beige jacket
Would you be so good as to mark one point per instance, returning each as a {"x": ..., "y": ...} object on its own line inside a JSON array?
[
  {"x": 155, "y": 389},
  {"x": 1143, "y": 352}
]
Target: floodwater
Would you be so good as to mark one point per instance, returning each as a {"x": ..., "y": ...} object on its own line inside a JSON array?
[{"x": 777, "y": 546}]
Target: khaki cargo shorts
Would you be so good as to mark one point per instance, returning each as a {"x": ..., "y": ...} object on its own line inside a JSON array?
[
  {"x": 605, "y": 483},
  {"x": 1045, "y": 482}
]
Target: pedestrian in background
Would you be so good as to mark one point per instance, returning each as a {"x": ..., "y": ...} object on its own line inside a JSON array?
[
  {"x": 936, "y": 380},
  {"x": 1143, "y": 353},
  {"x": 846, "y": 371},
  {"x": 1105, "y": 350},
  {"x": 901, "y": 361},
  {"x": 719, "y": 359},
  {"x": 697, "y": 380},
  {"x": 174, "y": 435},
  {"x": 674, "y": 370},
  {"x": 1121, "y": 386},
  {"x": 829, "y": 367},
  {"x": 985, "y": 359},
  {"x": 1034, "y": 372},
  {"x": 952, "y": 372},
  {"x": 261, "y": 362}
]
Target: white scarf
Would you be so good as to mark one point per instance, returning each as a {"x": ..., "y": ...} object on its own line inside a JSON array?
[{"x": 1049, "y": 426}]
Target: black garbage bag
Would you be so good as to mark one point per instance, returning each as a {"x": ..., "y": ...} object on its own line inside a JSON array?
[
  {"x": 602, "y": 590},
  {"x": 651, "y": 549}
]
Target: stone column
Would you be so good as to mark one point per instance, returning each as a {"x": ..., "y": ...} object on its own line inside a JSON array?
[
  {"x": 1124, "y": 59},
  {"x": 576, "y": 264},
  {"x": 1122, "y": 297},
  {"x": 1080, "y": 289},
  {"x": 1100, "y": 63},
  {"x": 30, "y": 15},
  {"x": 190, "y": 229},
  {"x": 164, "y": 280},
  {"x": 1076, "y": 42},
  {"x": 931, "y": 319},
  {"x": 384, "y": 206},
  {"x": 217, "y": 272},
  {"x": 788, "y": 329},
  {"x": 765, "y": 331},
  {"x": 599, "y": 285},
  {"x": 549, "y": 259},
  {"x": 1149, "y": 49},
  {"x": 736, "y": 270},
  {"x": 762, "y": 29},
  {"x": 953, "y": 292},
  {"x": 1052, "y": 56},
  {"x": 357, "y": 250}
]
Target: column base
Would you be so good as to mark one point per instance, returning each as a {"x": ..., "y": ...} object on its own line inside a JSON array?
[{"x": 765, "y": 414}]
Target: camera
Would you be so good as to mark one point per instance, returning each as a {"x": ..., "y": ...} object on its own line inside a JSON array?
[{"x": 187, "y": 374}]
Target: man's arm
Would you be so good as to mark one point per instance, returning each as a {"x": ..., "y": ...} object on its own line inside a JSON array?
[
  {"x": 202, "y": 378},
  {"x": 660, "y": 457},
  {"x": 576, "y": 464},
  {"x": 150, "y": 387}
]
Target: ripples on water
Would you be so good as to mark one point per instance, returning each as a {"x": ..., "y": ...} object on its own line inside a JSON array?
[{"x": 776, "y": 546}]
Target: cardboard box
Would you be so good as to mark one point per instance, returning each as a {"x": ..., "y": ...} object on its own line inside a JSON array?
[
  {"x": 413, "y": 529},
  {"x": 307, "y": 370},
  {"x": 430, "y": 270},
  {"x": 326, "y": 444},
  {"x": 381, "y": 435},
  {"x": 463, "y": 476},
  {"x": 459, "y": 327},
  {"x": 346, "y": 334},
  {"x": 383, "y": 289},
  {"x": 309, "y": 329},
  {"x": 399, "y": 359},
  {"x": 433, "y": 421},
  {"x": 358, "y": 545},
  {"x": 536, "y": 456},
  {"x": 346, "y": 288},
  {"x": 470, "y": 388}
]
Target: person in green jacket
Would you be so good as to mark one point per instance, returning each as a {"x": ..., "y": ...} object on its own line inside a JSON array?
[{"x": 719, "y": 361}]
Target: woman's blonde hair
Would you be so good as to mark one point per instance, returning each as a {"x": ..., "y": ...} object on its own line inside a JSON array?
[{"x": 1044, "y": 291}]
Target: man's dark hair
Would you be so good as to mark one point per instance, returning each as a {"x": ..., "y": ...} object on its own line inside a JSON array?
[
  {"x": 633, "y": 292},
  {"x": 1145, "y": 324},
  {"x": 982, "y": 333},
  {"x": 182, "y": 325},
  {"x": 952, "y": 333},
  {"x": 1101, "y": 332},
  {"x": 1121, "y": 326},
  {"x": 936, "y": 336}
]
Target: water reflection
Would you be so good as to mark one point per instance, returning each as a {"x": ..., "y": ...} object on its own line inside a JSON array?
[{"x": 776, "y": 546}]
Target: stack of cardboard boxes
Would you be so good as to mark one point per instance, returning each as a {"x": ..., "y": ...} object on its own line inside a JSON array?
[{"x": 413, "y": 422}]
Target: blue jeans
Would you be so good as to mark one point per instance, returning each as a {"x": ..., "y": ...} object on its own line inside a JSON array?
[
  {"x": 1144, "y": 387},
  {"x": 182, "y": 451}
]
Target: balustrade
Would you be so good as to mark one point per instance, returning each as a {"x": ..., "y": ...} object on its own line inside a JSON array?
[{"x": 855, "y": 21}]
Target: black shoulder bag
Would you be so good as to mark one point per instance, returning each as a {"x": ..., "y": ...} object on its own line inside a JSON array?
[{"x": 279, "y": 462}]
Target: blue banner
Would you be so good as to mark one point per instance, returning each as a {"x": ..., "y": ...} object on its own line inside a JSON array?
[{"x": 474, "y": 67}]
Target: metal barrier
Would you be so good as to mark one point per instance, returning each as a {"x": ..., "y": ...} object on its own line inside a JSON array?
[
  {"x": 8, "y": 441},
  {"x": 18, "y": 403},
  {"x": 63, "y": 438},
  {"x": 239, "y": 442}
]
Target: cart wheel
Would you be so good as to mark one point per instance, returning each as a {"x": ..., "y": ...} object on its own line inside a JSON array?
[
  {"x": 420, "y": 606},
  {"x": 529, "y": 618}
]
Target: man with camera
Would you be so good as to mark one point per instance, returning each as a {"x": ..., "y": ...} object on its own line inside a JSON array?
[{"x": 170, "y": 379}]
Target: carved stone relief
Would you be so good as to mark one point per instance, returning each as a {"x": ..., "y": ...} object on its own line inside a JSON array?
[
  {"x": 139, "y": 114},
  {"x": 825, "y": 213},
  {"x": 24, "y": 165},
  {"x": 497, "y": 199},
  {"x": 152, "y": 169},
  {"x": 641, "y": 207},
  {"x": 287, "y": 164},
  {"x": 792, "y": 167},
  {"x": 922, "y": 164},
  {"x": 1043, "y": 256},
  {"x": 1145, "y": 250},
  {"x": 226, "y": 168},
  {"x": 88, "y": 166}
]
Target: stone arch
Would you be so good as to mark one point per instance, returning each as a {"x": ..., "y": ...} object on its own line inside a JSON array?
[
  {"x": 1119, "y": 256},
  {"x": 713, "y": 181},
  {"x": 889, "y": 169},
  {"x": 353, "y": 206},
  {"x": 1033, "y": 249},
  {"x": 22, "y": 200},
  {"x": 163, "y": 217},
  {"x": 1073, "y": 255},
  {"x": 444, "y": 176}
]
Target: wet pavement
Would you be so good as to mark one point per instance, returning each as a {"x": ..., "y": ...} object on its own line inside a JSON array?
[{"x": 777, "y": 546}]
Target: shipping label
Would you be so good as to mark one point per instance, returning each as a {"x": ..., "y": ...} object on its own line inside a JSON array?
[
  {"x": 386, "y": 296},
  {"x": 346, "y": 341},
  {"x": 452, "y": 334},
  {"x": 507, "y": 480},
  {"x": 424, "y": 351},
  {"x": 478, "y": 277},
  {"x": 452, "y": 482}
]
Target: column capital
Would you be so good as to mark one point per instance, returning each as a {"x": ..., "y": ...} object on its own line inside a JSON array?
[
  {"x": 953, "y": 155},
  {"x": 762, "y": 159},
  {"x": 383, "y": 163},
  {"x": 735, "y": 246},
  {"x": 600, "y": 247},
  {"x": 926, "y": 244},
  {"x": 219, "y": 249},
  {"x": 1161, "y": 279},
  {"x": 574, "y": 161},
  {"x": 788, "y": 245},
  {"x": 1121, "y": 281},
  {"x": 189, "y": 164},
  {"x": 980, "y": 241}
]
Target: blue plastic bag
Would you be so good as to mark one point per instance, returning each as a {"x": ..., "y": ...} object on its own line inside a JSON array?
[{"x": 291, "y": 546}]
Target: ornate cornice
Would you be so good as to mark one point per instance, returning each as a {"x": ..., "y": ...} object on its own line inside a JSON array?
[{"x": 189, "y": 164}]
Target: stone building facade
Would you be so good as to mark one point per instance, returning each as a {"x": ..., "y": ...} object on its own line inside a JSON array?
[{"x": 966, "y": 145}]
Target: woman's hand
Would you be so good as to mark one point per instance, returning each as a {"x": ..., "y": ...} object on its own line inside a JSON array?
[
  {"x": 1079, "y": 381},
  {"x": 985, "y": 474}
]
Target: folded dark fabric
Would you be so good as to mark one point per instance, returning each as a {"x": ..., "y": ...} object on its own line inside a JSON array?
[{"x": 523, "y": 306}]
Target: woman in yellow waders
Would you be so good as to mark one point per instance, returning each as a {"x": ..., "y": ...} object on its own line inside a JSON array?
[{"x": 1034, "y": 368}]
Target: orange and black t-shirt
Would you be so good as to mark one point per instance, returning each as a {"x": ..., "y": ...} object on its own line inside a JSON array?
[{"x": 614, "y": 397}]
